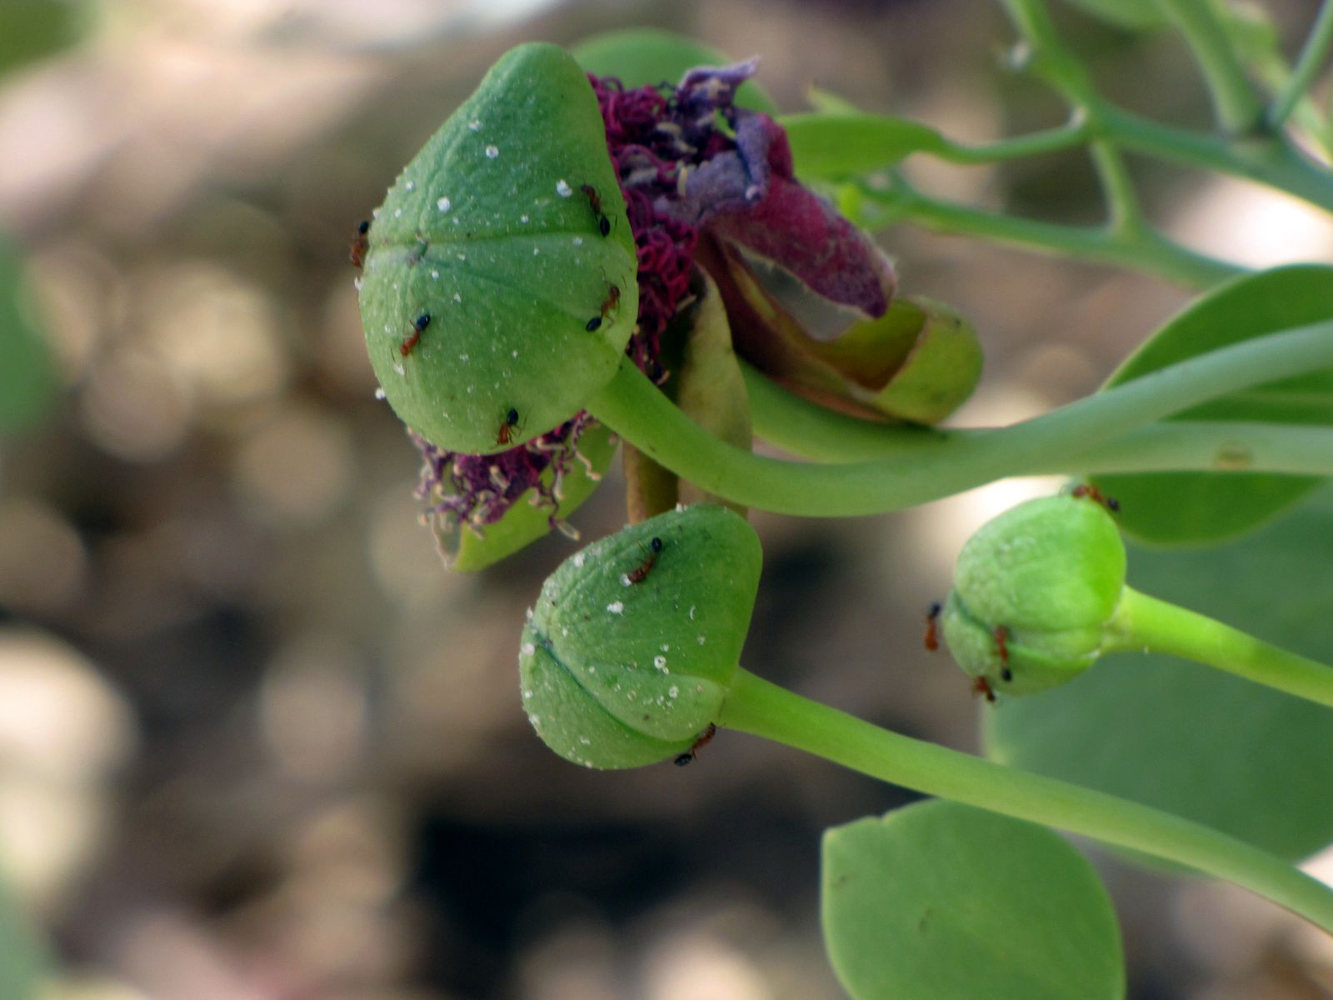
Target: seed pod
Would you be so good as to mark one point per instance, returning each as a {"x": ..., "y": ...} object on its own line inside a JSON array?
[
  {"x": 619, "y": 673},
  {"x": 486, "y": 232},
  {"x": 1034, "y": 591}
]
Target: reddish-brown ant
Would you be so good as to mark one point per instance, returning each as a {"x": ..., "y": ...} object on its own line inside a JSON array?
[
  {"x": 638, "y": 574},
  {"x": 932, "y": 639},
  {"x": 611, "y": 301},
  {"x": 360, "y": 244},
  {"x": 418, "y": 328},
  {"x": 595, "y": 200},
  {"x": 1096, "y": 496},
  {"x": 704, "y": 737},
  {"x": 1001, "y": 635},
  {"x": 506, "y": 433},
  {"x": 982, "y": 686}
]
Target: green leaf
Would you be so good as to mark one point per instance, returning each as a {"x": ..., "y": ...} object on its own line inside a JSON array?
[
  {"x": 31, "y": 29},
  {"x": 832, "y": 146},
  {"x": 1133, "y": 14},
  {"x": 940, "y": 901},
  {"x": 524, "y": 523},
  {"x": 27, "y": 373},
  {"x": 488, "y": 247},
  {"x": 641, "y": 57},
  {"x": 1195, "y": 507},
  {"x": 1236, "y": 756}
]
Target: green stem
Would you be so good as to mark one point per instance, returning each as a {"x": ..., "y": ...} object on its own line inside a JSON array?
[
  {"x": 1307, "y": 68},
  {"x": 755, "y": 706},
  {"x": 810, "y": 431},
  {"x": 1234, "y": 100},
  {"x": 1151, "y": 625},
  {"x": 633, "y": 408},
  {"x": 1272, "y": 162},
  {"x": 1053, "y": 140},
  {"x": 1139, "y": 247}
]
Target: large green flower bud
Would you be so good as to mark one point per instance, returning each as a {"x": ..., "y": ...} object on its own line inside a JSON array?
[
  {"x": 499, "y": 287},
  {"x": 629, "y": 653},
  {"x": 1034, "y": 591}
]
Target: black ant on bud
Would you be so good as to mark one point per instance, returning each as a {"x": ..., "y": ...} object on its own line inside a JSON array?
[
  {"x": 932, "y": 638},
  {"x": 641, "y": 572},
  {"x": 360, "y": 244},
  {"x": 704, "y": 737},
  {"x": 595, "y": 200},
  {"x": 418, "y": 328},
  {"x": 507, "y": 431},
  {"x": 1096, "y": 496},
  {"x": 611, "y": 301}
]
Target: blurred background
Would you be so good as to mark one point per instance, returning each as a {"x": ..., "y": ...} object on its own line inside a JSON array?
[{"x": 256, "y": 743}]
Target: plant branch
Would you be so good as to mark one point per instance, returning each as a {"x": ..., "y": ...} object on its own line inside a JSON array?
[
  {"x": 1235, "y": 102},
  {"x": 1308, "y": 64},
  {"x": 757, "y": 707},
  {"x": 1135, "y": 246},
  {"x": 633, "y": 408},
  {"x": 1151, "y": 625}
]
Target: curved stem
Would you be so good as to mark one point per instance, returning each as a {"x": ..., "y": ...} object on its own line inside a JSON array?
[
  {"x": 755, "y": 706},
  {"x": 810, "y": 431},
  {"x": 1151, "y": 625},
  {"x": 1139, "y": 247},
  {"x": 633, "y": 408},
  {"x": 1234, "y": 100},
  {"x": 1307, "y": 68},
  {"x": 1052, "y": 140}
]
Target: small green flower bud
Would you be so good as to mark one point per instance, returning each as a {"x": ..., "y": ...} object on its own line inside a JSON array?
[
  {"x": 1034, "y": 590},
  {"x": 628, "y": 655},
  {"x": 499, "y": 287}
]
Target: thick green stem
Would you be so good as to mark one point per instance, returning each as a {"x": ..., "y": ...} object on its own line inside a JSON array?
[
  {"x": 755, "y": 706},
  {"x": 632, "y": 407},
  {"x": 811, "y": 431},
  {"x": 1146, "y": 623},
  {"x": 1307, "y": 68}
]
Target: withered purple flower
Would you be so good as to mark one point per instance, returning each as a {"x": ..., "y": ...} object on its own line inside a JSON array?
[{"x": 700, "y": 177}]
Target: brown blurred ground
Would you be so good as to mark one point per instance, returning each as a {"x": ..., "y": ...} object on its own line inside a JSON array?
[{"x": 255, "y": 743}]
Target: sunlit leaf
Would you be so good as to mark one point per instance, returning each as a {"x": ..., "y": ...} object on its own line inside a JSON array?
[
  {"x": 1199, "y": 506},
  {"x": 939, "y": 901}
]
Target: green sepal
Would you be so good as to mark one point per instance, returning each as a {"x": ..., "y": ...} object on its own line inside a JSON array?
[
  {"x": 620, "y": 668},
  {"x": 489, "y": 233},
  {"x": 1050, "y": 573}
]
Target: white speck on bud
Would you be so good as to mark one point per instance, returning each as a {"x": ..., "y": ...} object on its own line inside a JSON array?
[
  {"x": 616, "y": 607},
  {"x": 527, "y": 649},
  {"x": 492, "y": 152},
  {"x": 563, "y": 189},
  {"x": 444, "y": 204}
]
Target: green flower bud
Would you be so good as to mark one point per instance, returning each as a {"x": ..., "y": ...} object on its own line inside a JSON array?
[
  {"x": 1034, "y": 590},
  {"x": 499, "y": 287},
  {"x": 629, "y": 653}
]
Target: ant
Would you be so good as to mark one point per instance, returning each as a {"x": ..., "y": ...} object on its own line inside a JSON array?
[
  {"x": 360, "y": 244},
  {"x": 418, "y": 328},
  {"x": 595, "y": 200},
  {"x": 932, "y": 639},
  {"x": 982, "y": 686},
  {"x": 704, "y": 737},
  {"x": 1001, "y": 635},
  {"x": 640, "y": 573},
  {"x": 507, "y": 431},
  {"x": 611, "y": 301},
  {"x": 1096, "y": 496}
]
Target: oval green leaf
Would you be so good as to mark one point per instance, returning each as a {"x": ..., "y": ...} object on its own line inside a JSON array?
[
  {"x": 524, "y": 523},
  {"x": 1197, "y": 507},
  {"x": 833, "y": 146},
  {"x": 940, "y": 901},
  {"x": 641, "y": 57},
  {"x": 1196, "y": 742},
  {"x": 489, "y": 249}
]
